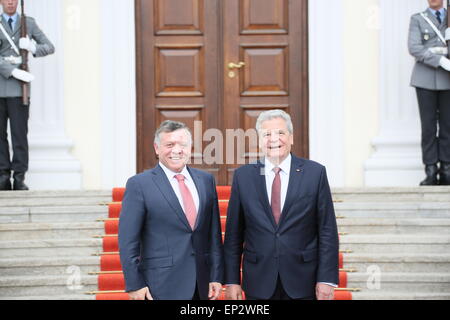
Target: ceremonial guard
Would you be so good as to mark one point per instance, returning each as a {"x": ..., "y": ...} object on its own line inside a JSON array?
[
  {"x": 428, "y": 44},
  {"x": 19, "y": 36}
]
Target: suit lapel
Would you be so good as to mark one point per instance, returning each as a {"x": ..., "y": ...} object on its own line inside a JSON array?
[
  {"x": 161, "y": 181},
  {"x": 294, "y": 187},
  {"x": 199, "y": 184},
  {"x": 260, "y": 185}
]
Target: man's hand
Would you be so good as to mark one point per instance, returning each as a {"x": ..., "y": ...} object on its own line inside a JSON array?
[
  {"x": 140, "y": 294},
  {"x": 445, "y": 63},
  {"x": 234, "y": 292},
  {"x": 22, "y": 75},
  {"x": 27, "y": 44},
  {"x": 215, "y": 289},
  {"x": 324, "y": 292}
]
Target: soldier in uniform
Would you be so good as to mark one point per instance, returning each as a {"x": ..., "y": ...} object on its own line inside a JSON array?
[
  {"x": 11, "y": 104},
  {"x": 428, "y": 34}
]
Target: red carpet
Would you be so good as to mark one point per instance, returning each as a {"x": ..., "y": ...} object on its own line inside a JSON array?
[{"x": 110, "y": 261}]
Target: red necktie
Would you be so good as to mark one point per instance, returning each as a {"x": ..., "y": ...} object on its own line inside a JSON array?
[
  {"x": 188, "y": 202},
  {"x": 276, "y": 196}
]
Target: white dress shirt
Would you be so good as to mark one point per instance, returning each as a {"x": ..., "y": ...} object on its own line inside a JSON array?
[
  {"x": 189, "y": 182},
  {"x": 14, "y": 17},
  {"x": 285, "y": 167}
]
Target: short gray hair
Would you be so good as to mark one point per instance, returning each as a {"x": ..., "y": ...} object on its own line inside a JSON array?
[
  {"x": 274, "y": 114},
  {"x": 169, "y": 126}
]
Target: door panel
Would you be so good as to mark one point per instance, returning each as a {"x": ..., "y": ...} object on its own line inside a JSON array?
[
  {"x": 177, "y": 65},
  {"x": 184, "y": 48},
  {"x": 270, "y": 41}
]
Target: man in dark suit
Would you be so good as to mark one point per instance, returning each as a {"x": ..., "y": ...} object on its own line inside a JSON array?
[
  {"x": 170, "y": 239},
  {"x": 281, "y": 218}
]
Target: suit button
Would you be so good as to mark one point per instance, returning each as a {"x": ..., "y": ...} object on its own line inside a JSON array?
[
  {"x": 278, "y": 235},
  {"x": 193, "y": 254}
]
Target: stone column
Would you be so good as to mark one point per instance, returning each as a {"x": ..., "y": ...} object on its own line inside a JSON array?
[
  {"x": 397, "y": 157},
  {"x": 118, "y": 92},
  {"x": 51, "y": 164},
  {"x": 326, "y": 82}
]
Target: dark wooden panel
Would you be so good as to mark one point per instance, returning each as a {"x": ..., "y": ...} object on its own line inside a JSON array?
[
  {"x": 187, "y": 115},
  {"x": 179, "y": 72},
  {"x": 264, "y": 16},
  {"x": 266, "y": 72},
  {"x": 179, "y": 17}
]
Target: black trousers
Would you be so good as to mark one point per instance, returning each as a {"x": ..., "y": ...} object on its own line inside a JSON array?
[
  {"x": 434, "y": 107},
  {"x": 196, "y": 296},
  {"x": 13, "y": 110},
  {"x": 280, "y": 294}
]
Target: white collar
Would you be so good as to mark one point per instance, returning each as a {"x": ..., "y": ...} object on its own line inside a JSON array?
[
  {"x": 14, "y": 16},
  {"x": 442, "y": 11},
  {"x": 285, "y": 166},
  {"x": 171, "y": 174}
]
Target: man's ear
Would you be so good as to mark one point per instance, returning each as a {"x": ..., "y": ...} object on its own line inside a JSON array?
[{"x": 156, "y": 149}]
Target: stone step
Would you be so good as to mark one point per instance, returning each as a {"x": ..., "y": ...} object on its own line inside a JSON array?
[
  {"x": 73, "y": 213},
  {"x": 36, "y": 231},
  {"x": 393, "y": 226},
  {"x": 50, "y": 248},
  {"x": 383, "y": 209},
  {"x": 394, "y": 243},
  {"x": 406, "y": 282},
  {"x": 25, "y": 286},
  {"x": 53, "y": 198},
  {"x": 413, "y": 262},
  {"x": 400, "y": 295},
  {"x": 420, "y": 194},
  {"x": 46, "y": 266}
]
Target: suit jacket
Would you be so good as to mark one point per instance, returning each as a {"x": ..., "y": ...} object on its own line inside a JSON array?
[
  {"x": 303, "y": 249},
  {"x": 427, "y": 73},
  {"x": 158, "y": 248},
  {"x": 9, "y": 86}
]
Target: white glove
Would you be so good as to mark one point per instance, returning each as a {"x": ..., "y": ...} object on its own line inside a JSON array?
[
  {"x": 26, "y": 76},
  {"x": 445, "y": 63},
  {"x": 439, "y": 50},
  {"x": 14, "y": 60},
  {"x": 27, "y": 44},
  {"x": 447, "y": 34}
]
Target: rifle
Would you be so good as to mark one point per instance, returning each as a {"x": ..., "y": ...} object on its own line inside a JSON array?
[{"x": 24, "y": 55}]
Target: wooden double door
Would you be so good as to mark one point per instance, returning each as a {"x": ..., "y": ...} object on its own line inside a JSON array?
[{"x": 217, "y": 64}]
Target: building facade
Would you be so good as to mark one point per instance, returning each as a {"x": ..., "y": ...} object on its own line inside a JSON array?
[{"x": 363, "y": 121}]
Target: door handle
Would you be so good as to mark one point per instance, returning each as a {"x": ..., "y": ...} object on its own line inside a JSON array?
[{"x": 232, "y": 65}]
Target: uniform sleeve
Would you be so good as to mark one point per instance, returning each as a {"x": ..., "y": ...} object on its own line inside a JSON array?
[
  {"x": 43, "y": 45},
  {"x": 416, "y": 47}
]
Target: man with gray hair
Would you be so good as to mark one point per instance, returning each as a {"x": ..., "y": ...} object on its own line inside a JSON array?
[
  {"x": 170, "y": 238},
  {"x": 281, "y": 219}
]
